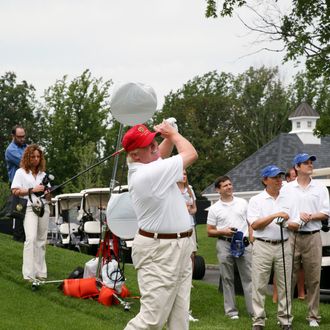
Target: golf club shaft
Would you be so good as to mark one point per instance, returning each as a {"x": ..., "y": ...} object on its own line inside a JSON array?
[
  {"x": 86, "y": 170},
  {"x": 285, "y": 280}
]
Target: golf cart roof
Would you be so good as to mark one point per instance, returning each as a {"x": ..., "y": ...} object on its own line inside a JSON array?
[
  {"x": 68, "y": 196},
  {"x": 95, "y": 191},
  {"x": 67, "y": 201}
]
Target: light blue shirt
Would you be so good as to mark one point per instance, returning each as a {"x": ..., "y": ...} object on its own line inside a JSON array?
[{"x": 13, "y": 157}]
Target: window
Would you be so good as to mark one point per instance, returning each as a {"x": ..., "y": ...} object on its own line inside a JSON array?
[
  {"x": 298, "y": 124},
  {"x": 309, "y": 124}
]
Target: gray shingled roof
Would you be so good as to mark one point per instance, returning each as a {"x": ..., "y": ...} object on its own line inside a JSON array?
[
  {"x": 304, "y": 110},
  {"x": 280, "y": 151}
]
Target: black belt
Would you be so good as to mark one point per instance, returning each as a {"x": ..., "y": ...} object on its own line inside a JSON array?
[
  {"x": 308, "y": 232},
  {"x": 165, "y": 236},
  {"x": 271, "y": 241},
  {"x": 227, "y": 239}
]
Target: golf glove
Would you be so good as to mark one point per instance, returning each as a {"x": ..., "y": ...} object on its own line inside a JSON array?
[
  {"x": 281, "y": 222},
  {"x": 172, "y": 122}
]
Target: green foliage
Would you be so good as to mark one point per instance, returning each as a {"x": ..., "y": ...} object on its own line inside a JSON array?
[
  {"x": 91, "y": 179},
  {"x": 4, "y": 193},
  {"x": 260, "y": 107},
  {"x": 17, "y": 106},
  {"x": 227, "y": 118},
  {"x": 304, "y": 30},
  {"x": 75, "y": 114}
]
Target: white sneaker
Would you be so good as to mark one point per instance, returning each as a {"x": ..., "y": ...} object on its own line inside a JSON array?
[
  {"x": 234, "y": 317},
  {"x": 313, "y": 323},
  {"x": 191, "y": 318}
]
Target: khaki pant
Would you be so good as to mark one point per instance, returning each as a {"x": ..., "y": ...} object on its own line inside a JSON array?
[
  {"x": 226, "y": 265},
  {"x": 34, "y": 261},
  {"x": 308, "y": 251},
  {"x": 264, "y": 256},
  {"x": 164, "y": 273}
]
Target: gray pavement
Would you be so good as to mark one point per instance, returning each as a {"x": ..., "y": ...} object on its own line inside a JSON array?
[{"x": 212, "y": 274}]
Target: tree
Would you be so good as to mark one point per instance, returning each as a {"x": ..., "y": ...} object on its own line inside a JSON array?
[
  {"x": 304, "y": 30},
  {"x": 17, "y": 106},
  {"x": 260, "y": 108},
  {"x": 227, "y": 118},
  {"x": 76, "y": 119}
]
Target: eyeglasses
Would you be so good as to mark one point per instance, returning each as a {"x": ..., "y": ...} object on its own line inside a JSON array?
[{"x": 20, "y": 136}]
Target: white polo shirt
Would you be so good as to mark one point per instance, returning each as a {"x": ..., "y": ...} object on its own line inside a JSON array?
[
  {"x": 26, "y": 181},
  {"x": 229, "y": 214},
  {"x": 312, "y": 199},
  {"x": 156, "y": 197},
  {"x": 263, "y": 205}
]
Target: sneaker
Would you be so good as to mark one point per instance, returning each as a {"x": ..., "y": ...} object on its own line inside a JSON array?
[
  {"x": 313, "y": 323},
  {"x": 234, "y": 317},
  {"x": 286, "y": 327},
  {"x": 191, "y": 318}
]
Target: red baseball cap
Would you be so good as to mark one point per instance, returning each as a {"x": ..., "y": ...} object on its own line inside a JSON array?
[{"x": 137, "y": 137}]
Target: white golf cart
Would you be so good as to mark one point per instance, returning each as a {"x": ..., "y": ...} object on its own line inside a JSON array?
[
  {"x": 66, "y": 208},
  {"x": 91, "y": 215},
  {"x": 322, "y": 175}
]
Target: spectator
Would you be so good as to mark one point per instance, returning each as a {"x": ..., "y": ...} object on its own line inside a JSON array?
[
  {"x": 27, "y": 181},
  {"x": 312, "y": 201},
  {"x": 13, "y": 155},
  {"x": 225, "y": 217},
  {"x": 190, "y": 200}
]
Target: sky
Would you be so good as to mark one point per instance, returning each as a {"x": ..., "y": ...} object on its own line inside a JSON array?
[{"x": 162, "y": 43}]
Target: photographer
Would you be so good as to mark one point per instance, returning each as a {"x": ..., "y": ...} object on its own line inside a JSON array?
[{"x": 27, "y": 183}]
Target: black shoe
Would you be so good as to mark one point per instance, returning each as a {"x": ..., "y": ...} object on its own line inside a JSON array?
[{"x": 286, "y": 326}]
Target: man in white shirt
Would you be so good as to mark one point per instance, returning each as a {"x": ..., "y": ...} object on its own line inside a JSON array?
[
  {"x": 312, "y": 201},
  {"x": 163, "y": 245},
  {"x": 263, "y": 213},
  {"x": 225, "y": 217}
]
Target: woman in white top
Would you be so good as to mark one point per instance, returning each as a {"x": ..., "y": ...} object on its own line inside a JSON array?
[
  {"x": 190, "y": 199},
  {"x": 28, "y": 181}
]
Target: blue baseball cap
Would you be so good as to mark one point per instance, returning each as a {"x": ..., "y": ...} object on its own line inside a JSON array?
[
  {"x": 300, "y": 158},
  {"x": 271, "y": 171}
]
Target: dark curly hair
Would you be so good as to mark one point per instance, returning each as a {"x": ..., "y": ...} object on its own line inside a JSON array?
[{"x": 25, "y": 161}]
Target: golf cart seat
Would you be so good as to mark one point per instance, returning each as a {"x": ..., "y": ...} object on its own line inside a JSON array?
[
  {"x": 66, "y": 229},
  {"x": 92, "y": 230}
]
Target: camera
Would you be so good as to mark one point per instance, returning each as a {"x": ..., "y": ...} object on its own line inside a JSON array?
[
  {"x": 234, "y": 229},
  {"x": 325, "y": 226},
  {"x": 45, "y": 181}
]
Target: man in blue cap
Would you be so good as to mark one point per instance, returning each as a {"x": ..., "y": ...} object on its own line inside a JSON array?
[
  {"x": 264, "y": 212},
  {"x": 312, "y": 202}
]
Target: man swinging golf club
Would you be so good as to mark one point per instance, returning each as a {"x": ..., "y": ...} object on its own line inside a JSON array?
[{"x": 163, "y": 245}]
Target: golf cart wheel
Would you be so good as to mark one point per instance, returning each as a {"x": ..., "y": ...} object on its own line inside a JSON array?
[{"x": 199, "y": 268}]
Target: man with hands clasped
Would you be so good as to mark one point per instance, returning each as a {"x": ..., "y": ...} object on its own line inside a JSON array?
[{"x": 267, "y": 212}]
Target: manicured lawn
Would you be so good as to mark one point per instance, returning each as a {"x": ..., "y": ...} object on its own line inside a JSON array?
[{"x": 47, "y": 308}]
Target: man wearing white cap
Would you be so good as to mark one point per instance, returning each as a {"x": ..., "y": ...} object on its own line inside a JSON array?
[
  {"x": 163, "y": 245},
  {"x": 263, "y": 213},
  {"x": 312, "y": 201}
]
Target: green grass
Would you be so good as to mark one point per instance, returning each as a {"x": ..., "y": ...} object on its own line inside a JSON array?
[
  {"x": 206, "y": 245},
  {"x": 47, "y": 308}
]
